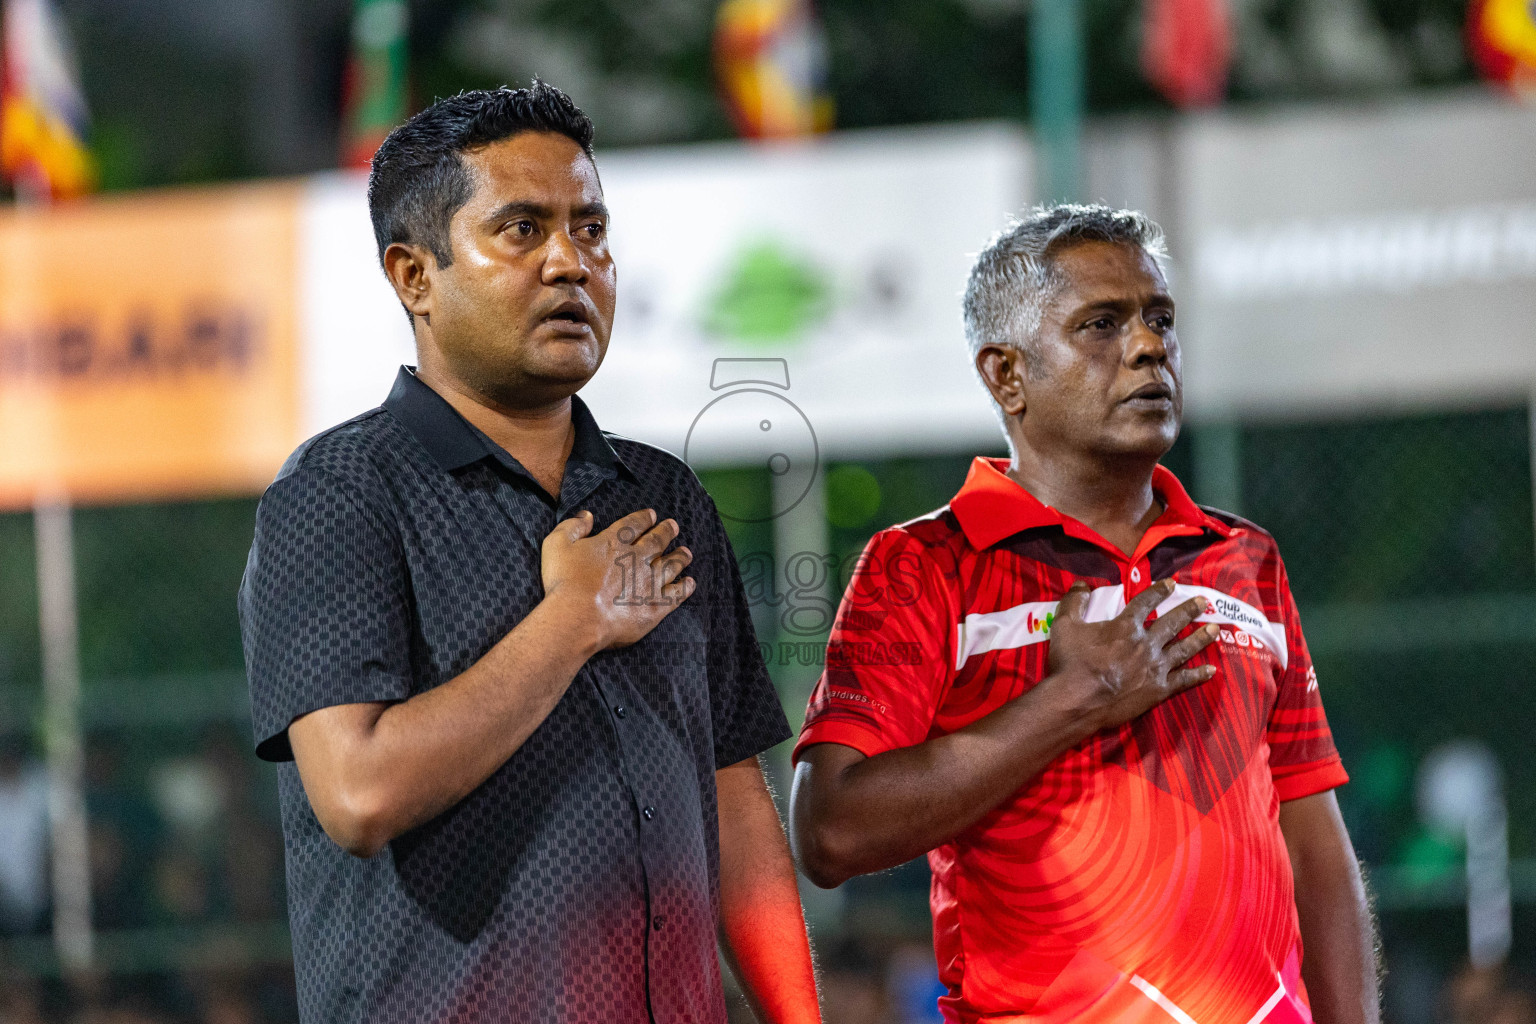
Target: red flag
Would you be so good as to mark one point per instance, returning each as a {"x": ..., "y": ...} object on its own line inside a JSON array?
[{"x": 1186, "y": 46}]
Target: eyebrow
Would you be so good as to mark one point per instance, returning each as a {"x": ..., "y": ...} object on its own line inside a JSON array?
[
  {"x": 538, "y": 211},
  {"x": 1116, "y": 305}
]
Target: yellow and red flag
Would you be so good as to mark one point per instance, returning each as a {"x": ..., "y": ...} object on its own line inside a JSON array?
[
  {"x": 43, "y": 116},
  {"x": 1501, "y": 35},
  {"x": 771, "y": 61}
]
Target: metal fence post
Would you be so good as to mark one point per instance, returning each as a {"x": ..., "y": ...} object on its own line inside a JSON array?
[
  {"x": 1056, "y": 96},
  {"x": 63, "y": 738}
]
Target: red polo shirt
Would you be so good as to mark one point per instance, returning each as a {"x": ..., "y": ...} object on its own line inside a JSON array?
[{"x": 1143, "y": 875}]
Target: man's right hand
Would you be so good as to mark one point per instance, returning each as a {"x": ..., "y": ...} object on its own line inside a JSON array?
[
  {"x": 617, "y": 582},
  {"x": 1122, "y": 668},
  {"x": 851, "y": 814}
]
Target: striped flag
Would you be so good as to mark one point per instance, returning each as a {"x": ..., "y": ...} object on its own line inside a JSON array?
[
  {"x": 376, "y": 95},
  {"x": 43, "y": 116},
  {"x": 771, "y": 62}
]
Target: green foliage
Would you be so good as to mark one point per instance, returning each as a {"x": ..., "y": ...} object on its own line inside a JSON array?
[
  {"x": 157, "y": 586},
  {"x": 19, "y": 657},
  {"x": 1396, "y": 508},
  {"x": 853, "y": 496},
  {"x": 163, "y": 112}
]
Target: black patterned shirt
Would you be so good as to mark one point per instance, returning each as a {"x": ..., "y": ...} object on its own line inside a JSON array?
[{"x": 580, "y": 882}]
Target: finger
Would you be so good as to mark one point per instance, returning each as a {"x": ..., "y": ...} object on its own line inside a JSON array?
[
  {"x": 1140, "y": 606},
  {"x": 1199, "y": 640},
  {"x": 1172, "y": 624},
  {"x": 574, "y": 528},
  {"x": 655, "y": 540},
  {"x": 1185, "y": 678},
  {"x": 1074, "y": 602},
  {"x": 632, "y": 525},
  {"x": 678, "y": 592},
  {"x": 669, "y": 565}
]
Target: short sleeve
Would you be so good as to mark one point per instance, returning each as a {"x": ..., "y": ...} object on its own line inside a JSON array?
[
  {"x": 746, "y": 715},
  {"x": 1302, "y": 757},
  {"x": 891, "y": 652},
  {"x": 324, "y": 605}
]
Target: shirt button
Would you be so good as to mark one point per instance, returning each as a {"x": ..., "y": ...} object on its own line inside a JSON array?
[
  {"x": 621, "y": 711},
  {"x": 649, "y": 813},
  {"x": 1135, "y": 575},
  {"x": 659, "y": 921}
]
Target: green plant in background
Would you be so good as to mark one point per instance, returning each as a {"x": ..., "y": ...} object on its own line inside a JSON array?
[
  {"x": 1383, "y": 776},
  {"x": 768, "y": 296},
  {"x": 853, "y": 496},
  {"x": 1428, "y": 857}
]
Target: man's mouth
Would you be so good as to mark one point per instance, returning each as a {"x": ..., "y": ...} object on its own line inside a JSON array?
[
  {"x": 569, "y": 312},
  {"x": 1150, "y": 394}
]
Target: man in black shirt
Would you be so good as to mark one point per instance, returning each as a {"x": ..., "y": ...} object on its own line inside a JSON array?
[{"x": 503, "y": 659}]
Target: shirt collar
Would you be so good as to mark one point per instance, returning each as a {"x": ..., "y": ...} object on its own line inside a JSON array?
[
  {"x": 454, "y": 442},
  {"x": 991, "y": 506}
]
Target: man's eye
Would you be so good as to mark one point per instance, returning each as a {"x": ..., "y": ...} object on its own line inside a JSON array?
[
  {"x": 1163, "y": 321},
  {"x": 521, "y": 228},
  {"x": 1102, "y": 323},
  {"x": 593, "y": 231}
]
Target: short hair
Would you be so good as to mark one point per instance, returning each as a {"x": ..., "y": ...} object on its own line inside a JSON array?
[
  {"x": 418, "y": 182},
  {"x": 1015, "y": 275}
]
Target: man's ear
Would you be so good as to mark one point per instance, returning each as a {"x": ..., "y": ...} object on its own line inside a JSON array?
[
  {"x": 410, "y": 269},
  {"x": 1002, "y": 369}
]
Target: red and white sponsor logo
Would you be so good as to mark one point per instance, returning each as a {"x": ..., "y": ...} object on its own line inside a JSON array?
[{"x": 1009, "y": 628}]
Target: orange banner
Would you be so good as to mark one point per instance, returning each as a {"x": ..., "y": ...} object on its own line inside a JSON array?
[{"x": 148, "y": 346}]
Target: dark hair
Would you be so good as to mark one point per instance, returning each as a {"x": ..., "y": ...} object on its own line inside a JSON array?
[{"x": 418, "y": 182}]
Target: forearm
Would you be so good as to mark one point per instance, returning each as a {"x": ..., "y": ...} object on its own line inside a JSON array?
[
  {"x": 1339, "y": 964},
  {"x": 1339, "y": 939},
  {"x": 762, "y": 927},
  {"x": 419, "y": 757},
  {"x": 884, "y": 810}
]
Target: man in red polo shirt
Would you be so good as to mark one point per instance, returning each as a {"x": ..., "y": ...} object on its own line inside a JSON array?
[{"x": 1103, "y": 726}]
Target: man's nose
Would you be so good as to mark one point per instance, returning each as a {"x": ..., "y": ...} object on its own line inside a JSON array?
[
  {"x": 1144, "y": 345},
  {"x": 562, "y": 261}
]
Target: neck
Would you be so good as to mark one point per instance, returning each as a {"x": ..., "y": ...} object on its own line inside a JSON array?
[
  {"x": 1112, "y": 496},
  {"x": 539, "y": 437}
]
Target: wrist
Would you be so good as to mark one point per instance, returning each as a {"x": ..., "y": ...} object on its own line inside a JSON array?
[
  {"x": 576, "y": 621},
  {"x": 1069, "y": 704}
]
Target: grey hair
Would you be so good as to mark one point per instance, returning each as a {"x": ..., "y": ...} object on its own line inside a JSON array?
[{"x": 1014, "y": 276}]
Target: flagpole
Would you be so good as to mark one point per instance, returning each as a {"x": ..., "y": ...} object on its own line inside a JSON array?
[
  {"x": 58, "y": 616},
  {"x": 45, "y": 159},
  {"x": 1056, "y": 97}
]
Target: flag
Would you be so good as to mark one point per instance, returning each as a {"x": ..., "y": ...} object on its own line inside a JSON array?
[
  {"x": 43, "y": 116},
  {"x": 1186, "y": 46},
  {"x": 1501, "y": 35},
  {"x": 375, "y": 96},
  {"x": 771, "y": 62}
]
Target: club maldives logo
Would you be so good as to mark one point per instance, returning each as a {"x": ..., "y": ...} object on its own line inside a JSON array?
[{"x": 1030, "y": 623}]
